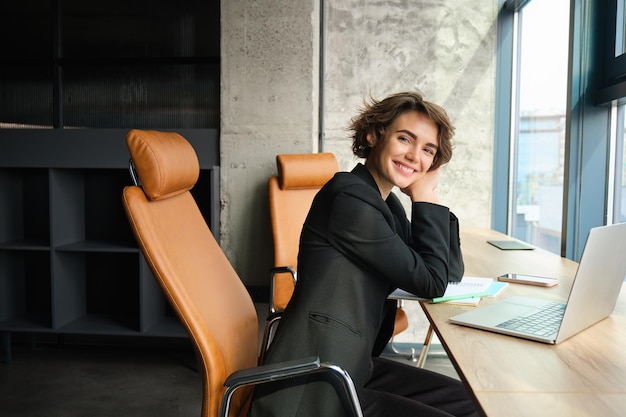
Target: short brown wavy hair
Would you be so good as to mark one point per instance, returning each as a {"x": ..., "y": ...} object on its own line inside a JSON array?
[{"x": 376, "y": 116}]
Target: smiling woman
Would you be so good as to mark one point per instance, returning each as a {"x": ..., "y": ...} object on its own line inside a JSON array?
[{"x": 356, "y": 247}]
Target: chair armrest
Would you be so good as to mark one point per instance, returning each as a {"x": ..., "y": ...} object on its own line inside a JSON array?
[
  {"x": 272, "y": 372},
  {"x": 282, "y": 269},
  {"x": 288, "y": 369},
  {"x": 276, "y": 271},
  {"x": 276, "y": 315}
]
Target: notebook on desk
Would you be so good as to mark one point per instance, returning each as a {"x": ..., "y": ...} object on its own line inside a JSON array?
[{"x": 593, "y": 295}]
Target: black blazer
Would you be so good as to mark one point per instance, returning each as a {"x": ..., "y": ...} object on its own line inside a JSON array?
[{"x": 355, "y": 249}]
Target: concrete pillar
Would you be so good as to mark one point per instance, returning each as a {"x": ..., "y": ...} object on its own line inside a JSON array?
[{"x": 268, "y": 106}]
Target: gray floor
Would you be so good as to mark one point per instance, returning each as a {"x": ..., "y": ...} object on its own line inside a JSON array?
[{"x": 98, "y": 377}]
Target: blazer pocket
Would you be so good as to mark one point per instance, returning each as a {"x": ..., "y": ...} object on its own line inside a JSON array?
[{"x": 327, "y": 320}]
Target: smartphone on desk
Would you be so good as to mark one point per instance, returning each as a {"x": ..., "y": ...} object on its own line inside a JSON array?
[{"x": 529, "y": 280}]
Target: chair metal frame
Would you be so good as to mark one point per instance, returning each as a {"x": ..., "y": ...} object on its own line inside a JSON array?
[{"x": 271, "y": 373}]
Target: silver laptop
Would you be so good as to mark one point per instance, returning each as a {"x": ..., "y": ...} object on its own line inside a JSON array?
[{"x": 593, "y": 296}]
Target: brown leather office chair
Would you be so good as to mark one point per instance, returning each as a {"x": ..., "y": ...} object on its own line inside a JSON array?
[
  {"x": 291, "y": 193},
  {"x": 199, "y": 281}
]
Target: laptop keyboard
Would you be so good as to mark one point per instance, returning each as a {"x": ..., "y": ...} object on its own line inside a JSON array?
[{"x": 542, "y": 323}]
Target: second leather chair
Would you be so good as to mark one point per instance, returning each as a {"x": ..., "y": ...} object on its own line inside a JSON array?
[{"x": 291, "y": 193}]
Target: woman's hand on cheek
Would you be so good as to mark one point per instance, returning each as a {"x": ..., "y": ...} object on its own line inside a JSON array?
[{"x": 424, "y": 189}]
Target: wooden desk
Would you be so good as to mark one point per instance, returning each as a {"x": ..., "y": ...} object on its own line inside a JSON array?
[{"x": 582, "y": 376}]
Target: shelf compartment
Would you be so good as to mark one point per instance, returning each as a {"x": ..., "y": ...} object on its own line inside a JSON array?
[
  {"x": 87, "y": 210},
  {"x": 24, "y": 208},
  {"x": 105, "y": 219},
  {"x": 96, "y": 292},
  {"x": 157, "y": 316},
  {"x": 25, "y": 290}
]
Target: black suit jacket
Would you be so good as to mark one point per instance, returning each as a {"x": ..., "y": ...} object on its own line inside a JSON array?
[{"x": 355, "y": 249}]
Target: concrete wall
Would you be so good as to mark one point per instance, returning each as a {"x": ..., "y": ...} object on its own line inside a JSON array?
[
  {"x": 270, "y": 91},
  {"x": 269, "y": 106}
]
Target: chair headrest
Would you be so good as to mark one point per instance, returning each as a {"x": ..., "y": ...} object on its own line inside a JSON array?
[
  {"x": 166, "y": 163},
  {"x": 299, "y": 171}
]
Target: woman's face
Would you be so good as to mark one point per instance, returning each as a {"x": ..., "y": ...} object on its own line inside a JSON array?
[{"x": 405, "y": 153}]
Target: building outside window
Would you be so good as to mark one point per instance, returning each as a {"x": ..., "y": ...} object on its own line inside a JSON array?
[{"x": 538, "y": 137}]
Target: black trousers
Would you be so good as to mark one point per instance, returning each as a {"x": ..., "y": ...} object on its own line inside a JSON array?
[{"x": 399, "y": 390}]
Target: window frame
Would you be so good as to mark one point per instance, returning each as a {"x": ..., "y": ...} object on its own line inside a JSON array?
[{"x": 612, "y": 78}]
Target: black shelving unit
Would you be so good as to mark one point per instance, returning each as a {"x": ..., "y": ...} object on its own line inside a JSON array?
[{"x": 69, "y": 263}]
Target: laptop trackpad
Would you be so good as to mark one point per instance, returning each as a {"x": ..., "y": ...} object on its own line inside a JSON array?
[{"x": 500, "y": 311}]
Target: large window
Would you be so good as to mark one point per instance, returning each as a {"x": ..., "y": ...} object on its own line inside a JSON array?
[
  {"x": 538, "y": 138},
  {"x": 560, "y": 121}
]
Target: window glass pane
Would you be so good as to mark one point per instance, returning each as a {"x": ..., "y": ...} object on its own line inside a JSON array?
[
  {"x": 619, "y": 215},
  {"x": 538, "y": 142},
  {"x": 620, "y": 30}
]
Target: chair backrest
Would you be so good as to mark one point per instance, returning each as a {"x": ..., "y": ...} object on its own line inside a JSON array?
[
  {"x": 195, "y": 275},
  {"x": 291, "y": 192}
]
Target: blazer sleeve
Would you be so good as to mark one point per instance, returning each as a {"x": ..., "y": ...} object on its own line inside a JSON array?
[
  {"x": 456, "y": 266},
  {"x": 455, "y": 263},
  {"x": 363, "y": 228}
]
